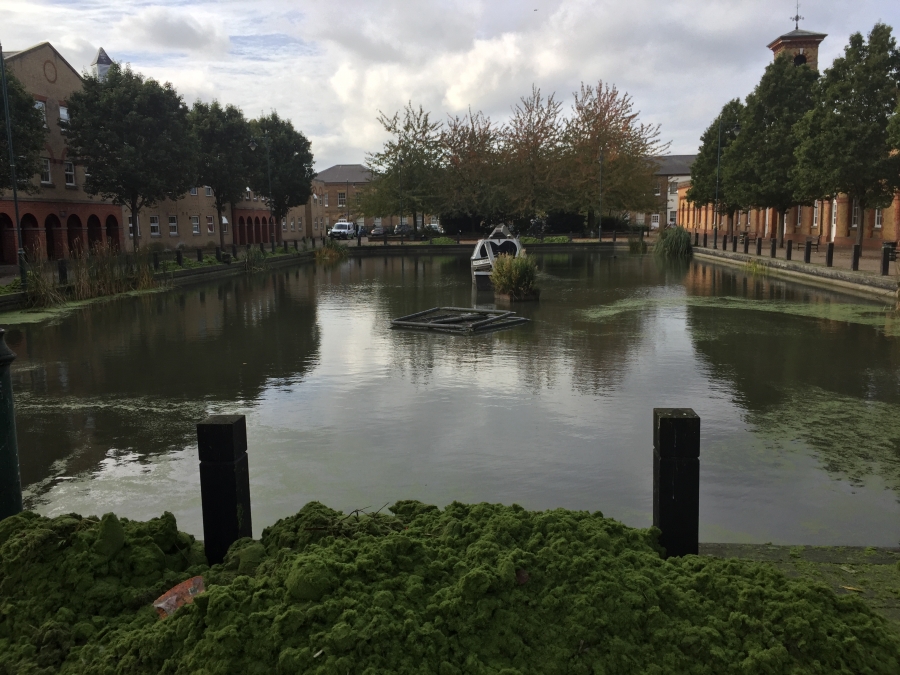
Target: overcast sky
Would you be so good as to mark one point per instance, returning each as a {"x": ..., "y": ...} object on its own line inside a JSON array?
[{"x": 331, "y": 66}]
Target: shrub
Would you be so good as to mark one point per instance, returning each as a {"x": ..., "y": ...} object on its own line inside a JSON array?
[
  {"x": 443, "y": 241},
  {"x": 514, "y": 276},
  {"x": 546, "y": 240},
  {"x": 331, "y": 251},
  {"x": 255, "y": 259},
  {"x": 674, "y": 242}
]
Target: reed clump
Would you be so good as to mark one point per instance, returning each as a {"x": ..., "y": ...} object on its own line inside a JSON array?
[
  {"x": 756, "y": 268},
  {"x": 41, "y": 290},
  {"x": 331, "y": 252},
  {"x": 674, "y": 242},
  {"x": 515, "y": 277},
  {"x": 255, "y": 260}
]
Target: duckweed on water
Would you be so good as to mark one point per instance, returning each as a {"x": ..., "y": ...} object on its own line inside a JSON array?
[{"x": 470, "y": 589}]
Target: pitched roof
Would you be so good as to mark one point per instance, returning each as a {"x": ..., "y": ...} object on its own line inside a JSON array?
[
  {"x": 675, "y": 165},
  {"x": 22, "y": 52},
  {"x": 102, "y": 58},
  {"x": 798, "y": 34},
  {"x": 345, "y": 173}
]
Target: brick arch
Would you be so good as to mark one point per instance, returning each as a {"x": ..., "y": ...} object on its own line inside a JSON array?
[
  {"x": 94, "y": 232},
  {"x": 256, "y": 231},
  {"x": 53, "y": 235},
  {"x": 113, "y": 234},
  {"x": 32, "y": 237},
  {"x": 7, "y": 240},
  {"x": 75, "y": 235}
]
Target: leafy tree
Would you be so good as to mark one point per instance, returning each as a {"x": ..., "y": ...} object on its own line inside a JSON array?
[
  {"x": 28, "y": 135},
  {"x": 283, "y": 155},
  {"x": 134, "y": 137},
  {"x": 604, "y": 122},
  {"x": 532, "y": 145},
  {"x": 844, "y": 147},
  {"x": 894, "y": 130},
  {"x": 758, "y": 164},
  {"x": 223, "y": 164},
  {"x": 707, "y": 186},
  {"x": 405, "y": 172}
]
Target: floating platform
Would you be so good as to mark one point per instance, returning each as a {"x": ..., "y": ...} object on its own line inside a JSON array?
[{"x": 459, "y": 320}]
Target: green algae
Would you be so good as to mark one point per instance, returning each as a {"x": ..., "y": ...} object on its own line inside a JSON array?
[
  {"x": 469, "y": 589},
  {"x": 883, "y": 318}
]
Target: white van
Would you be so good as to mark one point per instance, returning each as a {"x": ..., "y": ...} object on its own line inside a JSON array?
[{"x": 343, "y": 230}]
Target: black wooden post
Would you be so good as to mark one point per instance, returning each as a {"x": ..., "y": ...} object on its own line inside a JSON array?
[
  {"x": 199, "y": 255},
  {"x": 285, "y": 245},
  {"x": 63, "y": 271},
  {"x": 10, "y": 483},
  {"x": 807, "y": 251},
  {"x": 179, "y": 257},
  {"x": 234, "y": 251},
  {"x": 774, "y": 245},
  {"x": 790, "y": 249},
  {"x": 829, "y": 254},
  {"x": 704, "y": 240},
  {"x": 854, "y": 265},
  {"x": 715, "y": 237},
  {"x": 358, "y": 238},
  {"x": 273, "y": 244},
  {"x": 758, "y": 245},
  {"x": 746, "y": 243},
  {"x": 224, "y": 483},
  {"x": 676, "y": 479},
  {"x": 296, "y": 245},
  {"x": 155, "y": 260},
  {"x": 696, "y": 237},
  {"x": 219, "y": 253},
  {"x": 885, "y": 260},
  {"x": 734, "y": 240}
]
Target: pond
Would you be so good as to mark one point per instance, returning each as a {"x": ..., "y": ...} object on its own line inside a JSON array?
[{"x": 798, "y": 391}]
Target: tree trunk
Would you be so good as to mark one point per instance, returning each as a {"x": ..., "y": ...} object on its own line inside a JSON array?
[
  {"x": 590, "y": 221},
  {"x": 861, "y": 225},
  {"x": 135, "y": 223},
  {"x": 782, "y": 217},
  {"x": 729, "y": 220}
]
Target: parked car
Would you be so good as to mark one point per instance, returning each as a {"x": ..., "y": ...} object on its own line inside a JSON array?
[
  {"x": 377, "y": 231},
  {"x": 343, "y": 230},
  {"x": 402, "y": 229}
]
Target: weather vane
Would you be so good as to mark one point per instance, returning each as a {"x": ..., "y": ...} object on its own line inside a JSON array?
[{"x": 797, "y": 18}]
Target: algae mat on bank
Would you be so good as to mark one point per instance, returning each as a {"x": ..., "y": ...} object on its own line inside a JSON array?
[{"x": 470, "y": 589}]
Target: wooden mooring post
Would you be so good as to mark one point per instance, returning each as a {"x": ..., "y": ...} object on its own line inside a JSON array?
[
  {"x": 224, "y": 483},
  {"x": 676, "y": 479}
]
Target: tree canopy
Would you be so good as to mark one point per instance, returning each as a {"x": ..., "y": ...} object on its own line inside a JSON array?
[
  {"x": 844, "y": 139},
  {"x": 283, "y": 155},
  {"x": 223, "y": 162},
  {"x": 133, "y": 136},
  {"x": 29, "y": 132}
]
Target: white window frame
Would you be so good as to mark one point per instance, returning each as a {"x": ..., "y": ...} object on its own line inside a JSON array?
[
  {"x": 154, "y": 226},
  {"x": 210, "y": 225},
  {"x": 854, "y": 215},
  {"x": 207, "y": 191},
  {"x": 834, "y": 213},
  {"x": 284, "y": 224},
  {"x": 654, "y": 219},
  {"x": 325, "y": 197},
  {"x": 342, "y": 199},
  {"x": 69, "y": 171},
  {"x": 292, "y": 224},
  {"x": 195, "y": 224},
  {"x": 815, "y": 222},
  {"x": 46, "y": 176},
  {"x": 193, "y": 192},
  {"x": 673, "y": 188},
  {"x": 173, "y": 226},
  {"x": 248, "y": 196},
  {"x": 657, "y": 191},
  {"x": 63, "y": 113},
  {"x": 42, "y": 106},
  {"x": 879, "y": 218},
  {"x": 224, "y": 225},
  {"x": 799, "y": 216}
]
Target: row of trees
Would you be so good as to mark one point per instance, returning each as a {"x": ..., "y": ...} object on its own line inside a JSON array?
[
  {"x": 140, "y": 143},
  {"x": 472, "y": 170},
  {"x": 799, "y": 137}
]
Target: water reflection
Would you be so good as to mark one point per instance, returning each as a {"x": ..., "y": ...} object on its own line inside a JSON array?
[{"x": 792, "y": 385}]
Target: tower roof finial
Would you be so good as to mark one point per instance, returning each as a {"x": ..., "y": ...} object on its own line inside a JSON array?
[{"x": 797, "y": 18}]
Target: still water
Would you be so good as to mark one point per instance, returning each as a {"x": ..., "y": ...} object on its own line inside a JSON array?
[{"x": 798, "y": 391}]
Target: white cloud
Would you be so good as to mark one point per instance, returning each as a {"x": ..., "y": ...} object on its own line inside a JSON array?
[{"x": 331, "y": 67}]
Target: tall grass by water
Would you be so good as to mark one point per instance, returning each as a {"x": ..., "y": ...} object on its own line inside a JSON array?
[
  {"x": 331, "y": 252},
  {"x": 674, "y": 242},
  {"x": 515, "y": 277}
]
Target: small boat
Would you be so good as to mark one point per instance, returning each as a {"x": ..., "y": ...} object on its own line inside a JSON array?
[{"x": 498, "y": 242}]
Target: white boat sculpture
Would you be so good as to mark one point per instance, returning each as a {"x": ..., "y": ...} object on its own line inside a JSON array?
[{"x": 498, "y": 242}]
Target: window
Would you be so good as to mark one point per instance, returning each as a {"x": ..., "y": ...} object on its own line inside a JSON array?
[
  {"x": 325, "y": 196},
  {"x": 834, "y": 213},
  {"x": 224, "y": 224},
  {"x": 154, "y": 226},
  {"x": 879, "y": 216},
  {"x": 799, "y": 216},
  {"x": 419, "y": 218},
  {"x": 342, "y": 199},
  {"x": 46, "y": 178},
  {"x": 855, "y": 221},
  {"x": 195, "y": 224},
  {"x": 673, "y": 188},
  {"x": 210, "y": 225},
  {"x": 378, "y": 222},
  {"x": 815, "y": 222},
  {"x": 315, "y": 198},
  {"x": 193, "y": 192},
  {"x": 173, "y": 226},
  {"x": 255, "y": 197},
  {"x": 673, "y": 216},
  {"x": 208, "y": 191},
  {"x": 656, "y": 190},
  {"x": 63, "y": 114},
  {"x": 247, "y": 196},
  {"x": 40, "y": 105},
  {"x": 131, "y": 227},
  {"x": 403, "y": 220},
  {"x": 315, "y": 223},
  {"x": 284, "y": 224},
  {"x": 69, "y": 168},
  {"x": 300, "y": 223},
  {"x": 766, "y": 233},
  {"x": 654, "y": 219},
  {"x": 292, "y": 224}
]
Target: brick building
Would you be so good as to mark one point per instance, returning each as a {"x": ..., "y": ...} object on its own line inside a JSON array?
[
  {"x": 672, "y": 171},
  {"x": 61, "y": 218},
  {"x": 830, "y": 220},
  {"x": 342, "y": 192}
]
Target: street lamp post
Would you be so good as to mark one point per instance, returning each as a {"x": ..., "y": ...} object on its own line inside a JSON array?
[
  {"x": 600, "y": 198},
  {"x": 401, "y": 197},
  {"x": 12, "y": 171},
  {"x": 253, "y": 145}
]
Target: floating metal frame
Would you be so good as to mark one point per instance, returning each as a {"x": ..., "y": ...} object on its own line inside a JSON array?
[{"x": 467, "y": 320}]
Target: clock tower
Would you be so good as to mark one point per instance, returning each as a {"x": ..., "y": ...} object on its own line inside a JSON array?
[{"x": 802, "y": 46}]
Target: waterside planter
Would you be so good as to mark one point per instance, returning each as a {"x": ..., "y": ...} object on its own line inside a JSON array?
[{"x": 527, "y": 296}]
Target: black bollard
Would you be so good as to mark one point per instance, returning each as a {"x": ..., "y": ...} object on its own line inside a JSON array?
[
  {"x": 734, "y": 243},
  {"x": 704, "y": 240},
  {"x": 359, "y": 238},
  {"x": 285, "y": 246},
  {"x": 696, "y": 238},
  {"x": 224, "y": 483},
  {"x": 676, "y": 479},
  {"x": 273, "y": 246},
  {"x": 62, "y": 267},
  {"x": 715, "y": 237},
  {"x": 385, "y": 237},
  {"x": 746, "y": 244},
  {"x": 199, "y": 255},
  {"x": 885, "y": 260},
  {"x": 401, "y": 239},
  {"x": 219, "y": 253},
  {"x": 759, "y": 246},
  {"x": 829, "y": 254},
  {"x": 807, "y": 252},
  {"x": 234, "y": 251},
  {"x": 774, "y": 243},
  {"x": 790, "y": 248},
  {"x": 155, "y": 260},
  {"x": 296, "y": 245},
  {"x": 10, "y": 483},
  {"x": 854, "y": 263},
  {"x": 179, "y": 257}
]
